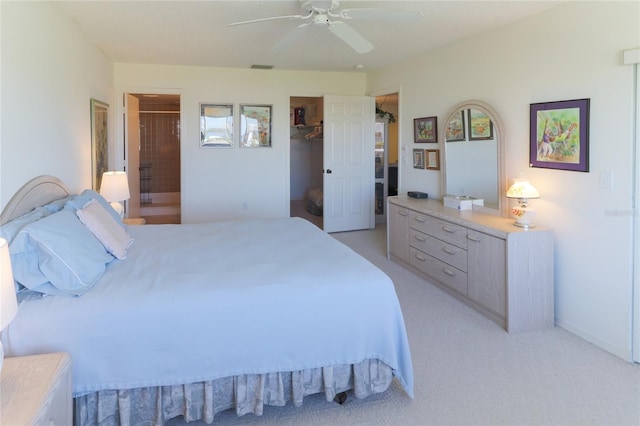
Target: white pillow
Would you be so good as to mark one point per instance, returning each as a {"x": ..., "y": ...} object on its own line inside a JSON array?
[{"x": 109, "y": 232}]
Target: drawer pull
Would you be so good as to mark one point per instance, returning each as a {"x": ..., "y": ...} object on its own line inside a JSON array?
[
  {"x": 447, "y": 229},
  {"x": 449, "y": 272},
  {"x": 420, "y": 219},
  {"x": 448, "y": 250},
  {"x": 420, "y": 238},
  {"x": 403, "y": 213},
  {"x": 421, "y": 258},
  {"x": 474, "y": 238}
]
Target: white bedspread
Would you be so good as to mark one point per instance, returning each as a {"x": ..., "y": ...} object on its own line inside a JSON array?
[{"x": 200, "y": 302}]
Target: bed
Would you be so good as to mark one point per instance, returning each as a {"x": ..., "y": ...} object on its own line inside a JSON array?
[{"x": 194, "y": 319}]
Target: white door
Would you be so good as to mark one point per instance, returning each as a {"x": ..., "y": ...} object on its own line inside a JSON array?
[
  {"x": 348, "y": 184},
  {"x": 132, "y": 143}
]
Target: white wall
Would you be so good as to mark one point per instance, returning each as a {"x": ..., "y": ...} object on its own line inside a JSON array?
[
  {"x": 50, "y": 71},
  {"x": 572, "y": 51},
  {"x": 239, "y": 182}
]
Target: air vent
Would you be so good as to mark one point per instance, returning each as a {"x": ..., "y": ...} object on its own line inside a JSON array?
[{"x": 261, "y": 67}]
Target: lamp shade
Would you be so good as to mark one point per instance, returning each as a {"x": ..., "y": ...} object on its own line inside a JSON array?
[
  {"x": 521, "y": 188},
  {"x": 114, "y": 186},
  {"x": 8, "y": 301}
]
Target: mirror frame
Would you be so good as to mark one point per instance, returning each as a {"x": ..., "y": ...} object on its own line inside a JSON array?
[{"x": 499, "y": 131}]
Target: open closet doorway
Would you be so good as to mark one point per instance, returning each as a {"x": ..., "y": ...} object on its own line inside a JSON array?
[
  {"x": 152, "y": 134},
  {"x": 386, "y": 152},
  {"x": 306, "y": 158}
]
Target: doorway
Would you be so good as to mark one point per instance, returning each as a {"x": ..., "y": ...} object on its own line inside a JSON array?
[
  {"x": 306, "y": 158},
  {"x": 153, "y": 156},
  {"x": 386, "y": 152}
]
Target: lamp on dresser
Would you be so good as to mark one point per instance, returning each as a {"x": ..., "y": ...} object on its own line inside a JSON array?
[
  {"x": 115, "y": 188},
  {"x": 8, "y": 301},
  {"x": 523, "y": 191}
]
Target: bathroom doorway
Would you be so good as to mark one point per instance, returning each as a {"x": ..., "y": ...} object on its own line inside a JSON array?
[{"x": 153, "y": 156}]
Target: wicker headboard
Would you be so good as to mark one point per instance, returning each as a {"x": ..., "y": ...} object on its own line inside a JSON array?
[{"x": 35, "y": 193}]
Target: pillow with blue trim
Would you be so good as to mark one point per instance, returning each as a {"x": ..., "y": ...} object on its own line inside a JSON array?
[{"x": 58, "y": 255}]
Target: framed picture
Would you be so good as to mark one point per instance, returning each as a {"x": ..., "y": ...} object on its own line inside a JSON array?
[
  {"x": 432, "y": 159},
  {"x": 480, "y": 126},
  {"x": 255, "y": 125},
  {"x": 216, "y": 125},
  {"x": 99, "y": 142},
  {"x": 425, "y": 130},
  {"x": 418, "y": 158},
  {"x": 559, "y": 135},
  {"x": 455, "y": 129}
]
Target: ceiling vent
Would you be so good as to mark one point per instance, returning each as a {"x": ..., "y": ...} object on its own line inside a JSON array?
[{"x": 261, "y": 67}]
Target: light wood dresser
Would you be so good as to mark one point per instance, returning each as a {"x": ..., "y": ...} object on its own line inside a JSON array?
[
  {"x": 36, "y": 390},
  {"x": 503, "y": 271}
]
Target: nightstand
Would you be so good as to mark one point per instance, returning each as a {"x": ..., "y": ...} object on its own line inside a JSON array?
[
  {"x": 135, "y": 221},
  {"x": 36, "y": 390}
]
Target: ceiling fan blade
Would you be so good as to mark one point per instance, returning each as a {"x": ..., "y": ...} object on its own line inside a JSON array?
[
  {"x": 397, "y": 15},
  {"x": 351, "y": 37},
  {"x": 292, "y": 36},
  {"x": 273, "y": 18}
]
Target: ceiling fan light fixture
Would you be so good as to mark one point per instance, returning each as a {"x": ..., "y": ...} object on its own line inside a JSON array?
[{"x": 261, "y": 67}]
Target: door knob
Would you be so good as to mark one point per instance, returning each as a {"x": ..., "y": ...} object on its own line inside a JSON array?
[{"x": 329, "y": 171}]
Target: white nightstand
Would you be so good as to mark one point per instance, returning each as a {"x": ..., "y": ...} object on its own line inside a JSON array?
[{"x": 36, "y": 390}]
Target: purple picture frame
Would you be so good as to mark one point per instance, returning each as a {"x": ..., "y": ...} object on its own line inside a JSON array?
[{"x": 559, "y": 135}]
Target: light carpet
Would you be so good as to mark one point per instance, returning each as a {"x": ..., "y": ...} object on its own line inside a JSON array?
[{"x": 469, "y": 371}]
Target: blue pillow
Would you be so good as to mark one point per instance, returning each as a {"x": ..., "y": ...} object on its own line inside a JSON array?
[
  {"x": 58, "y": 255},
  {"x": 57, "y": 205},
  {"x": 10, "y": 229},
  {"x": 81, "y": 200}
]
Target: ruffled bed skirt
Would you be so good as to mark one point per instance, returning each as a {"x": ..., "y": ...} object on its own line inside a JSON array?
[{"x": 246, "y": 394}]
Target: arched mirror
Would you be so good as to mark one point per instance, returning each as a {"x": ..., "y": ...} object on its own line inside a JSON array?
[{"x": 473, "y": 156}]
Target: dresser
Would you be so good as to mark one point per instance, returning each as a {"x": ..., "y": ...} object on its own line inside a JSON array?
[
  {"x": 503, "y": 271},
  {"x": 36, "y": 390}
]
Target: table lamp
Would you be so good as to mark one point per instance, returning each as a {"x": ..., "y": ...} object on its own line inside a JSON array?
[
  {"x": 523, "y": 191},
  {"x": 8, "y": 301},
  {"x": 115, "y": 188}
]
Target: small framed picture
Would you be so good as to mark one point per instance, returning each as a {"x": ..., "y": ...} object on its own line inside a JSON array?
[
  {"x": 480, "y": 126},
  {"x": 418, "y": 158},
  {"x": 432, "y": 159},
  {"x": 425, "y": 130},
  {"x": 455, "y": 129},
  {"x": 559, "y": 135},
  {"x": 216, "y": 125},
  {"x": 255, "y": 126}
]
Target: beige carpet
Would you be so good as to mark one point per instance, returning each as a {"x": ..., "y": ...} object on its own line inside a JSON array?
[{"x": 468, "y": 371}]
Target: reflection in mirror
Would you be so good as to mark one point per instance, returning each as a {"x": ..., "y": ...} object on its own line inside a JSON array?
[{"x": 473, "y": 155}]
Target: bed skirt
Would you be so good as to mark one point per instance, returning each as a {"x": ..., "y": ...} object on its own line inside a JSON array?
[{"x": 246, "y": 394}]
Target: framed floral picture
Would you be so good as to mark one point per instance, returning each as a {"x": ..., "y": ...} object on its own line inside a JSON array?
[
  {"x": 480, "y": 126},
  {"x": 425, "y": 130},
  {"x": 99, "y": 142},
  {"x": 455, "y": 129},
  {"x": 559, "y": 135}
]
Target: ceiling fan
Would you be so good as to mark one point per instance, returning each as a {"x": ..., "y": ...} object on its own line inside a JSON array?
[{"x": 326, "y": 13}]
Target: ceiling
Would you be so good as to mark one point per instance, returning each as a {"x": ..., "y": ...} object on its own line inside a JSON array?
[{"x": 197, "y": 33}]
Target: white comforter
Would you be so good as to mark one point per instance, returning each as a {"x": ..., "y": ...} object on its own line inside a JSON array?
[{"x": 204, "y": 301}]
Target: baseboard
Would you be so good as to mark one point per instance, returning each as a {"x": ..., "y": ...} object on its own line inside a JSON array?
[{"x": 624, "y": 353}]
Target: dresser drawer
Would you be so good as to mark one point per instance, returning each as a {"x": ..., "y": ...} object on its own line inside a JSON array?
[
  {"x": 441, "y": 271},
  {"x": 445, "y": 231},
  {"x": 453, "y": 255}
]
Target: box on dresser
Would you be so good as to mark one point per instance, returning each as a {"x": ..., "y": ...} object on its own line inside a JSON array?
[{"x": 502, "y": 271}]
